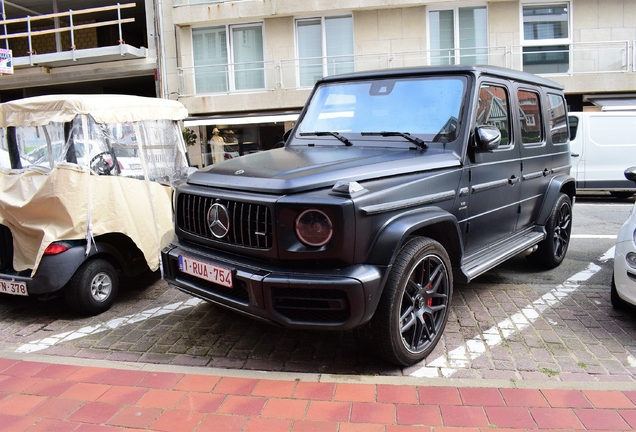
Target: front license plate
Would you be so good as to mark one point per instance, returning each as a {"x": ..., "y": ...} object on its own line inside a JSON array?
[
  {"x": 203, "y": 270},
  {"x": 13, "y": 287}
]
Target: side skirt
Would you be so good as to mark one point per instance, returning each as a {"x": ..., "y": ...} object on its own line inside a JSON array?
[{"x": 494, "y": 254}]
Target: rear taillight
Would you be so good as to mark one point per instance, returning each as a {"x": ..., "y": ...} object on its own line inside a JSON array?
[{"x": 56, "y": 248}]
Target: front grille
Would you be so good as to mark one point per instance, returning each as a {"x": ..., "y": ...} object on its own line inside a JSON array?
[
  {"x": 312, "y": 305},
  {"x": 6, "y": 249},
  {"x": 250, "y": 225}
]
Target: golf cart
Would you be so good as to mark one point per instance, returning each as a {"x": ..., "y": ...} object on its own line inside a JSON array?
[{"x": 86, "y": 193}]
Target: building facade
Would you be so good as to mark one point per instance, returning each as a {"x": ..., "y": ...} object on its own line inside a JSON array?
[
  {"x": 91, "y": 46},
  {"x": 246, "y": 67}
]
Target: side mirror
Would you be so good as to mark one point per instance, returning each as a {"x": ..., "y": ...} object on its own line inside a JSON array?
[
  {"x": 630, "y": 174},
  {"x": 487, "y": 138},
  {"x": 281, "y": 143}
]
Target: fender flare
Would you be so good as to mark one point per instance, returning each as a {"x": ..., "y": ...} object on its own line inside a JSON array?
[
  {"x": 432, "y": 222},
  {"x": 559, "y": 184}
]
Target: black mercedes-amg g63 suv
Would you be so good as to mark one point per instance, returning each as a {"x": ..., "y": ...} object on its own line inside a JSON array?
[{"x": 391, "y": 185}]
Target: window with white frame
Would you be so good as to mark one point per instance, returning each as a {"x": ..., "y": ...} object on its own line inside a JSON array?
[
  {"x": 233, "y": 63},
  {"x": 325, "y": 47},
  {"x": 546, "y": 37},
  {"x": 458, "y": 35}
]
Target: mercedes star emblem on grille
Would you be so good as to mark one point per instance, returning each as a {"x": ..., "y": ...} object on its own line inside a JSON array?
[{"x": 219, "y": 220}]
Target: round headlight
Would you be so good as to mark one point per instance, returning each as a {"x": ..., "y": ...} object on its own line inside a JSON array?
[{"x": 313, "y": 228}]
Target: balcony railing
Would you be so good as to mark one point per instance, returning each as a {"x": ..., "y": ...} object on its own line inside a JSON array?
[
  {"x": 566, "y": 59},
  {"x": 574, "y": 58},
  {"x": 494, "y": 55},
  {"x": 72, "y": 25},
  {"x": 299, "y": 73},
  {"x": 264, "y": 76},
  {"x": 228, "y": 78}
]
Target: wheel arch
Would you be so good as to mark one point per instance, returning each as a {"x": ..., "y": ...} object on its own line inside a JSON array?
[
  {"x": 559, "y": 184},
  {"x": 121, "y": 252},
  {"x": 433, "y": 223}
]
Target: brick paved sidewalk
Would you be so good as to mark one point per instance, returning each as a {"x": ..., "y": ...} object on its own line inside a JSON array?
[{"x": 41, "y": 396}]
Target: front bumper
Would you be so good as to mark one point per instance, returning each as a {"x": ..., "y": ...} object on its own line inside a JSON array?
[
  {"x": 338, "y": 299},
  {"x": 624, "y": 274}
]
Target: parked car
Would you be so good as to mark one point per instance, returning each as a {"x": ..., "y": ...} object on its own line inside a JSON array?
[
  {"x": 391, "y": 186},
  {"x": 230, "y": 151},
  {"x": 70, "y": 222},
  {"x": 248, "y": 148},
  {"x": 623, "y": 288},
  {"x": 603, "y": 144}
]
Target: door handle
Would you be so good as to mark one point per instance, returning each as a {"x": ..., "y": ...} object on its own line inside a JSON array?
[
  {"x": 575, "y": 155},
  {"x": 512, "y": 180},
  {"x": 546, "y": 172}
]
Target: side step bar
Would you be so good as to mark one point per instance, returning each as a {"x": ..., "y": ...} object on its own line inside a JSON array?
[{"x": 493, "y": 255}]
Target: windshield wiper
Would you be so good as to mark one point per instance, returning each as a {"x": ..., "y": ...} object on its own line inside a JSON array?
[
  {"x": 415, "y": 140},
  {"x": 333, "y": 134}
]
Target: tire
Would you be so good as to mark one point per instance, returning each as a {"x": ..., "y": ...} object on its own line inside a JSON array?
[
  {"x": 93, "y": 287},
  {"x": 414, "y": 307},
  {"x": 617, "y": 303},
  {"x": 551, "y": 251}
]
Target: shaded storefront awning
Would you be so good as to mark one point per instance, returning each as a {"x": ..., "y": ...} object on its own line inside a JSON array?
[
  {"x": 240, "y": 120},
  {"x": 613, "y": 102}
]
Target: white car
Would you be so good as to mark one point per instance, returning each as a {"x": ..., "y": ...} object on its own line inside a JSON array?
[{"x": 623, "y": 290}]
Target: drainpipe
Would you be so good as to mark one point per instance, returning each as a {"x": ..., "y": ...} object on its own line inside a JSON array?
[
  {"x": 161, "y": 50},
  {"x": 4, "y": 17}
]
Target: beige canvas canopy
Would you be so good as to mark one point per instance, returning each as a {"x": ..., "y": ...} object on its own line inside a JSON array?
[
  {"x": 43, "y": 203},
  {"x": 41, "y": 110}
]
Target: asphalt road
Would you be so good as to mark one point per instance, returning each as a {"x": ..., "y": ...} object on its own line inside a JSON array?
[{"x": 513, "y": 323}]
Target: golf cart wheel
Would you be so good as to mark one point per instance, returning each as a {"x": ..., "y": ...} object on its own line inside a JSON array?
[{"x": 93, "y": 287}]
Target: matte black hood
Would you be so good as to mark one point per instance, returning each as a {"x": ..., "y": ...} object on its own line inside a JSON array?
[{"x": 295, "y": 169}]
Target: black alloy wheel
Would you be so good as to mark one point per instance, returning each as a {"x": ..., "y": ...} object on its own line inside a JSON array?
[
  {"x": 414, "y": 307},
  {"x": 551, "y": 251}
]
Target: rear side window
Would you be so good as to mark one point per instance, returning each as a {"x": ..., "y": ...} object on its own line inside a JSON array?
[
  {"x": 530, "y": 117},
  {"x": 559, "y": 128},
  {"x": 574, "y": 126},
  {"x": 493, "y": 110}
]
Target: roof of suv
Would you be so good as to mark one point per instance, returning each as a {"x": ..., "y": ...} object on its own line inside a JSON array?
[{"x": 456, "y": 69}]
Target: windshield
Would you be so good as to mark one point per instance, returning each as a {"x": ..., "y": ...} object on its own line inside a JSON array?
[
  {"x": 114, "y": 149},
  {"x": 427, "y": 106}
]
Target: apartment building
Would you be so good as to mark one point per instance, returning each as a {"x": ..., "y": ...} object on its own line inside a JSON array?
[
  {"x": 245, "y": 68},
  {"x": 86, "y": 46}
]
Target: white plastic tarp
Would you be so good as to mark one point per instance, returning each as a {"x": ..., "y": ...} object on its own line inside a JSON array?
[{"x": 106, "y": 171}]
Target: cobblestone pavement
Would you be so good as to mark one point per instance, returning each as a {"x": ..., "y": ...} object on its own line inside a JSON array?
[{"x": 513, "y": 323}]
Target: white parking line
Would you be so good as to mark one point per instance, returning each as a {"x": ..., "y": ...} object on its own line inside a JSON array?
[
  {"x": 459, "y": 357},
  {"x": 593, "y": 236},
  {"x": 39, "y": 345}
]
